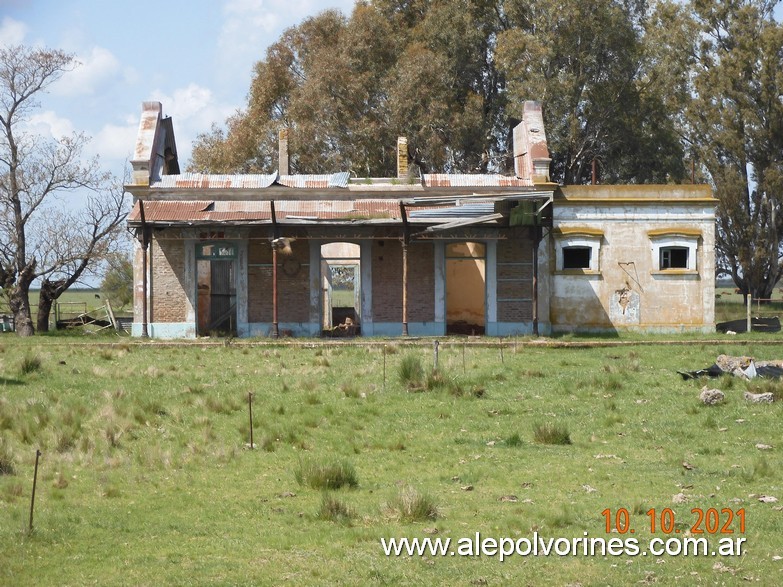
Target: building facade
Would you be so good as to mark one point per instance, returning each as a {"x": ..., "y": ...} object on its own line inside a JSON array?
[{"x": 331, "y": 255}]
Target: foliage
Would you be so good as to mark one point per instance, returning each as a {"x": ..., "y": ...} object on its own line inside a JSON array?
[
  {"x": 37, "y": 239},
  {"x": 452, "y": 77},
  {"x": 735, "y": 124},
  {"x": 593, "y": 68},
  {"x": 117, "y": 284}
]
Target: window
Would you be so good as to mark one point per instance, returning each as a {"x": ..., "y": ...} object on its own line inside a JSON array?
[
  {"x": 674, "y": 250},
  {"x": 674, "y": 258},
  {"x": 576, "y": 257},
  {"x": 578, "y": 250}
]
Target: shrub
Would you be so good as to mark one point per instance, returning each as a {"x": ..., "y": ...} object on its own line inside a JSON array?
[
  {"x": 326, "y": 475},
  {"x": 412, "y": 506},
  {"x": 551, "y": 434}
]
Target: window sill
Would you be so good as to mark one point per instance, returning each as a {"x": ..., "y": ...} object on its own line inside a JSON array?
[
  {"x": 578, "y": 272},
  {"x": 674, "y": 273}
]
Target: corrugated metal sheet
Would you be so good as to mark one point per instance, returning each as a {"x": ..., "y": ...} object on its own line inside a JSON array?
[
  {"x": 206, "y": 211},
  {"x": 334, "y": 180},
  {"x": 465, "y": 211},
  {"x": 446, "y": 180},
  {"x": 250, "y": 181},
  {"x": 214, "y": 181}
]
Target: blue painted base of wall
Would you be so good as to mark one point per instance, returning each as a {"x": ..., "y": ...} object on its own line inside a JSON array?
[
  {"x": 517, "y": 329},
  {"x": 264, "y": 329},
  {"x": 166, "y": 329}
]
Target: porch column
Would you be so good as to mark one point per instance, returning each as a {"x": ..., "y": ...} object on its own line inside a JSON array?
[{"x": 404, "y": 288}]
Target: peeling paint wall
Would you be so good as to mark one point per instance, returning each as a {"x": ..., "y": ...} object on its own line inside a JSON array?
[{"x": 628, "y": 290}]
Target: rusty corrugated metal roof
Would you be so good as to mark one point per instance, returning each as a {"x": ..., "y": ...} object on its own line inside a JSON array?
[
  {"x": 207, "y": 181},
  {"x": 445, "y": 180},
  {"x": 214, "y": 181},
  {"x": 222, "y": 211},
  {"x": 464, "y": 211},
  {"x": 333, "y": 180}
]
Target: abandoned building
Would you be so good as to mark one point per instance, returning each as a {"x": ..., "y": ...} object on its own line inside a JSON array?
[{"x": 331, "y": 255}]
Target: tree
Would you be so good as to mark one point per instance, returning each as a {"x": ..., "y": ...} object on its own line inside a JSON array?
[
  {"x": 735, "y": 124},
  {"x": 451, "y": 76},
  {"x": 117, "y": 284},
  {"x": 347, "y": 88},
  {"x": 598, "y": 78},
  {"x": 38, "y": 239}
]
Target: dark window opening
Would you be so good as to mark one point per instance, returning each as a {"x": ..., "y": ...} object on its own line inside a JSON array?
[
  {"x": 576, "y": 257},
  {"x": 674, "y": 258}
]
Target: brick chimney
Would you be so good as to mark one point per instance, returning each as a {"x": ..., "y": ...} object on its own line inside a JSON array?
[
  {"x": 402, "y": 157},
  {"x": 531, "y": 153}
]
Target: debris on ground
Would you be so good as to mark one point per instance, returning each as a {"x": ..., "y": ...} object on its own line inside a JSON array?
[
  {"x": 742, "y": 367},
  {"x": 757, "y": 324},
  {"x": 759, "y": 398},
  {"x": 711, "y": 397}
]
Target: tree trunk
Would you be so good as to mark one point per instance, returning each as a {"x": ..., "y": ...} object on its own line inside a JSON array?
[
  {"x": 44, "y": 309},
  {"x": 19, "y": 301},
  {"x": 50, "y": 291}
]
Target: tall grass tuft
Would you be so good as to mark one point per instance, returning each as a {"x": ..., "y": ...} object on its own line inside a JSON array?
[
  {"x": 6, "y": 459},
  {"x": 30, "y": 364},
  {"x": 334, "y": 510},
  {"x": 332, "y": 475},
  {"x": 411, "y": 372},
  {"x": 515, "y": 440},
  {"x": 412, "y": 506},
  {"x": 551, "y": 434}
]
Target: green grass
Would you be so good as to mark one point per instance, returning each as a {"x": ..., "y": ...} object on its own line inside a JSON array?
[{"x": 146, "y": 477}]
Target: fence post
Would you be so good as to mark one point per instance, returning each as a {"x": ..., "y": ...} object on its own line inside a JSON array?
[{"x": 749, "y": 325}]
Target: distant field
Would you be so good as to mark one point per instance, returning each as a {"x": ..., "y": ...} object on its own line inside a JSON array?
[
  {"x": 146, "y": 478},
  {"x": 73, "y": 301},
  {"x": 730, "y": 305}
]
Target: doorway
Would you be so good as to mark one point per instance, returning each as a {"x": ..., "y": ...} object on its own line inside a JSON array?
[
  {"x": 465, "y": 288},
  {"x": 341, "y": 289},
  {"x": 216, "y": 283}
]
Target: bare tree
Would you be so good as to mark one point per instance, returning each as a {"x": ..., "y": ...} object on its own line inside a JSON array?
[{"x": 40, "y": 236}]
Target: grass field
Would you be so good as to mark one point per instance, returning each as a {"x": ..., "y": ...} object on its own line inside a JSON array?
[{"x": 146, "y": 477}]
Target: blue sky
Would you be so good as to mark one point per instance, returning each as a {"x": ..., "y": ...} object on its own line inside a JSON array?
[{"x": 196, "y": 57}]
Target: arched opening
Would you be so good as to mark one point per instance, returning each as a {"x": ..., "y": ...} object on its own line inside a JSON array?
[
  {"x": 465, "y": 288},
  {"x": 341, "y": 289}
]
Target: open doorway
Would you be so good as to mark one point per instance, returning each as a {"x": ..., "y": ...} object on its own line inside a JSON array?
[
  {"x": 341, "y": 289},
  {"x": 216, "y": 282},
  {"x": 465, "y": 288}
]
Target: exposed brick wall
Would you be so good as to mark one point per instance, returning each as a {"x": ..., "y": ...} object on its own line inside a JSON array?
[
  {"x": 168, "y": 299},
  {"x": 387, "y": 281},
  {"x": 293, "y": 291},
  {"x": 515, "y": 280}
]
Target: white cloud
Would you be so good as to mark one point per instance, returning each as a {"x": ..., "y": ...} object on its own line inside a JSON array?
[
  {"x": 249, "y": 26},
  {"x": 115, "y": 142},
  {"x": 49, "y": 124},
  {"x": 194, "y": 110},
  {"x": 96, "y": 69},
  {"x": 12, "y": 32}
]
